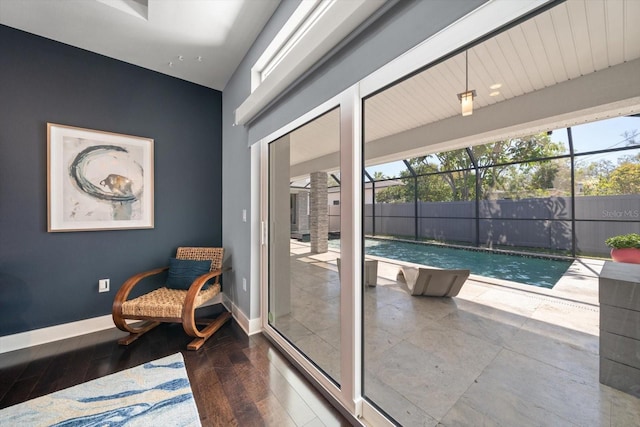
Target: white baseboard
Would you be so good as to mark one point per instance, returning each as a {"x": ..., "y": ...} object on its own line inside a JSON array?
[
  {"x": 250, "y": 326},
  {"x": 81, "y": 327},
  {"x": 55, "y": 333}
]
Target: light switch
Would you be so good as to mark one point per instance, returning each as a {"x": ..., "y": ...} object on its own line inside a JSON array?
[{"x": 244, "y": 215}]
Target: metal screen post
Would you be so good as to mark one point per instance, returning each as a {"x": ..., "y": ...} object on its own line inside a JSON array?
[
  {"x": 373, "y": 207},
  {"x": 373, "y": 202},
  {"x": 478, "y": 188},
  {"x": 415, "y": 199},
  {"x": 573, "y": 193}
]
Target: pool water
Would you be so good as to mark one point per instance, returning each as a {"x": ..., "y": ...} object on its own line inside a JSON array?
[{"x": 542, "y": 272}]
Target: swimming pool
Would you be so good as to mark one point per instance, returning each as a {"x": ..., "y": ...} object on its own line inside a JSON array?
[{"x": 541, "y": 272}]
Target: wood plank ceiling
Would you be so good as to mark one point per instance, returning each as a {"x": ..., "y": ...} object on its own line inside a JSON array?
[{"x": 573, "y": 39}]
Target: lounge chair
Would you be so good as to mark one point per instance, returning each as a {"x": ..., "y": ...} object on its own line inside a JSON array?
[
  {"x": 176, "y": 302},
  {"x": 432, "y": 282}
]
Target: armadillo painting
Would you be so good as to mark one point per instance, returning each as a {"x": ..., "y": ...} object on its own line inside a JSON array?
[{"x": 112, "y": 177}]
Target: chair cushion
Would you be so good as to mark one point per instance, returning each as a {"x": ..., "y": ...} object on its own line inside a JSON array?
[{"x": 182, "y": 272}]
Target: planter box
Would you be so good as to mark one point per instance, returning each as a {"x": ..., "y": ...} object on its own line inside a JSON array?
[
  {"x": 619, "y": 291},
  {"x": 628, "y": 255}
]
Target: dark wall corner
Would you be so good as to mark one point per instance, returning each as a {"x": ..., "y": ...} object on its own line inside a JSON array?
[{"x": 46, "y": 278}]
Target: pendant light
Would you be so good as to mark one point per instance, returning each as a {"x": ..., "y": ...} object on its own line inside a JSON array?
[{"x": 466, "y": 97}]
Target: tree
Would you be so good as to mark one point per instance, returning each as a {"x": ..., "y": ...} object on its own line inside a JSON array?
[
  {"x": 544, "y": 175},
  {"x": 603, "y": 177},
  {"x": 451, "y": 176},
  {"x": 459, "y": 174},
  {"x": 594, "y": 170},
  {"x": 430, "y": 187},
  {"x": 391, "y": 194},
  {"x": 624, "y": 179}
]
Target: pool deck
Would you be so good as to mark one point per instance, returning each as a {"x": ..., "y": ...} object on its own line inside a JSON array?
[
  {"x": 500, "y": 353},
  {"x": 579, "y": 283}
]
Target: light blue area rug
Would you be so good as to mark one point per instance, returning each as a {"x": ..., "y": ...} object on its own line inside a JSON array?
[{"x": 154, "y": 394}]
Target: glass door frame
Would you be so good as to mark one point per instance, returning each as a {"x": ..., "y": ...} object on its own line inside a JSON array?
[
  {"x": 349, "y": 391},
  {"x": 484, "y": 20}
]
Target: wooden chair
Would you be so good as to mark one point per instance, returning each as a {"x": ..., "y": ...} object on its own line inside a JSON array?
[{"x": 172, "y": 305}]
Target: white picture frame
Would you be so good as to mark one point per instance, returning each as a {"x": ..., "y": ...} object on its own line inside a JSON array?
[{"x": 98, "y": 180}]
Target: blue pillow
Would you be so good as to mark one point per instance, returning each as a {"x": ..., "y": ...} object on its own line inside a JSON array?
[{"x": 182, "y": 272}]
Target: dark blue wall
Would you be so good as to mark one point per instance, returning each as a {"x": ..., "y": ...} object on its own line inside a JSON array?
[{"x": 52, "y": 278}]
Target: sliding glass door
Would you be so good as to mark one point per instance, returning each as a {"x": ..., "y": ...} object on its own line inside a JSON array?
[
  {"x": 336, "y": 302},
  {"x": 304, "y": 240}
]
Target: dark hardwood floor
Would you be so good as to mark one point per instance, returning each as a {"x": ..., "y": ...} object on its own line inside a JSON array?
[{"x": 236, "y": 380}]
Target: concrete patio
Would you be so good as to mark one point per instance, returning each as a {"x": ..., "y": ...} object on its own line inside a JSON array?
[{"x": 500, "y": 353}]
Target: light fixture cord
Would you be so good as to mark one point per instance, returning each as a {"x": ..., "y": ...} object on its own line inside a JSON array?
[{"x": 466, "y": 72}]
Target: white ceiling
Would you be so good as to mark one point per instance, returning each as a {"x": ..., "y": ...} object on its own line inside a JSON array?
[
  {"x": 201, "y": 41},
  {"x": 571, "y": 40},
  {"x": 574, "y": 39}
]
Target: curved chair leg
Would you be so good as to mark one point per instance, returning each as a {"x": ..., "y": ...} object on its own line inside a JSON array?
[
  {"x": 204, "y": 334},
  {"x": 134, "y": 332}
]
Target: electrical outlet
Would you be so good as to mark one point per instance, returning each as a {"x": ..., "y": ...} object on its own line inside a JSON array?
[
  {"x": 103, "y": 285},
  {"x": 244, "y": 284},
  {"x": 244, "y": 215}
]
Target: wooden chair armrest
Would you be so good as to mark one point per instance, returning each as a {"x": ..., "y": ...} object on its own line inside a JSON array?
[
  {"x": 188, "y": 310},
  {"x": 194, "y": 289},
  {"x": 197, "y": 284}
]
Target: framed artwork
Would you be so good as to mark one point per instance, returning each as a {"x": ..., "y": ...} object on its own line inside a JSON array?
[{"x": 98, "y": 180}]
